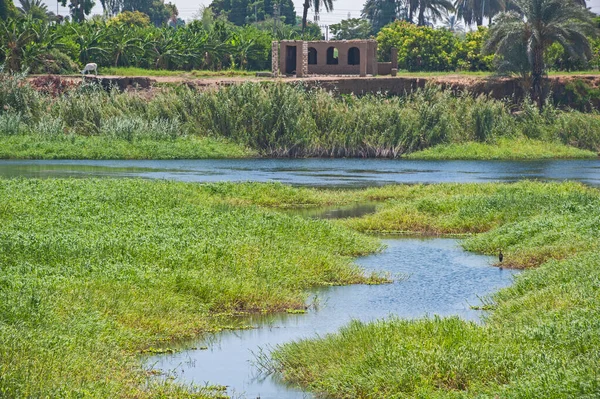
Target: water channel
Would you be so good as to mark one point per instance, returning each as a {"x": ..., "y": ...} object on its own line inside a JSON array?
[
  {"x": 431, "y": 277},
  {"x": 314, "y": 172}
]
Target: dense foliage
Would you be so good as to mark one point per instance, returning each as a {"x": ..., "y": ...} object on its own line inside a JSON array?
[
  {"x": 242, "y": 12},
  {"x": 223, "y": 41},
  {"x": 276, "y": 119},
  {"x": 422, "y": 48},
  {"x": 521, "y": 37},
  {"x": 127, "y": 40}
]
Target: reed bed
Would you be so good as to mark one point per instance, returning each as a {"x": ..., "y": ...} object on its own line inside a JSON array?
[
  {"x": 283, "y": 120},
  {"x": 541, "y": 336}
]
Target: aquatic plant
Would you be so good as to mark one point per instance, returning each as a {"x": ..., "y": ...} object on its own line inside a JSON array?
[
  {"x": 93, "y": 271},
  {"x": 279, "y": 119},
  {"x": 540, "y": 339}
]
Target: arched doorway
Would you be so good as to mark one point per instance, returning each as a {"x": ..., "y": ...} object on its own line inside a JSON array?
[
  {"x": 332, "y": 56},
  {"x": 354, "y": 56},
  {"x": 312, "y": 56}
]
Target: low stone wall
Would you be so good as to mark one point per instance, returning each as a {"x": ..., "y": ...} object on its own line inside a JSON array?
[
  {"x": 121, "y": 82},
  {"x": 384, "y": 68},
  {"x": 498, "y": 88}
]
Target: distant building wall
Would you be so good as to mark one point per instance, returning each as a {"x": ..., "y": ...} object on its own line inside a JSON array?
[{"x": 344, "y": 57}]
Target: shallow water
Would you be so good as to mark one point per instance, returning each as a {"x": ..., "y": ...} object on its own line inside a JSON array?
[
  {"x": 314, "y": 171},
  {"x": 435, "y": 277}
]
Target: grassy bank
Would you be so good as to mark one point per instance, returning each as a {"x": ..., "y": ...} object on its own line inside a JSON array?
[
  {"x": 132, "y": 71},
  {"x": 38, "y": 146},
  {"x": 94, "y": 271},
  {"x": 503, "y": 148},
  {"x": 279, "y": 119},
  {"x": 542, "y": 336}
]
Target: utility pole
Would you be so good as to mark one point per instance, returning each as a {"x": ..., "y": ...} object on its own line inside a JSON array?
[
  {"x": 275, "y": 17},
  {"x": 326, "y": 27}
]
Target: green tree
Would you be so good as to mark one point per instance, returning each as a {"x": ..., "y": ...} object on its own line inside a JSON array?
[
  {"x": 79, "y": 9},
  {"x": 354, "y": 28},
  {"x": 130, "y": 19},
  {"x": 157, "y": 10},
  {"x": 521, "y": 37},
  {"x": 36, "y": 9},
  {"x": 7, "y": 9},
  {"x": 420, "y": 48},
  {"x": 474, "y": 11},
  {"x": 242, "y": 12},
  {"x": 317, "y": 5},
  {"x": 379, "y": 13},
  {"x": 15, "y": 35},
  {"x": 433, "y": 9},
  {"x": 469, "y": 52}
]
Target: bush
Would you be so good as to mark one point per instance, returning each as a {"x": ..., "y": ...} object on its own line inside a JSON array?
[{"x": 420, "y": 48}]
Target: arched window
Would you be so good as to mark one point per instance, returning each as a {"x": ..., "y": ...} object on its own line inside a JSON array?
[
  {"x": 312, "y": 56},
  {"x": 354, "y": 56},
  {"x": 332, "y": 56}
]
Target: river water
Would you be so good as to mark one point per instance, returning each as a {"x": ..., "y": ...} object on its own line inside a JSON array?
[
  {"x": 314, "y": 171},
  {"x": 431, "y": 277}
]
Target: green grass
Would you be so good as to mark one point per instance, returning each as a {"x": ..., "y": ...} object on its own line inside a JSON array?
[
  {"x": 503, "y": 148},
  {"x": 540, "y": 340},
  {"x": 94, "y": 147},
  {"x": 95, "y": 271},
  {"x": 133, "y": 71},
  {"x": 276, "y": 119}
]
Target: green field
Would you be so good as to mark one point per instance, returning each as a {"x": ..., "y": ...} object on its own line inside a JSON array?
[
  {"x": 37, "y": 146},
  {"x": 194, "y": 74}
]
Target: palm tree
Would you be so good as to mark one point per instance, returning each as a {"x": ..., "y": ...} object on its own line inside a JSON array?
[
  {"x": 521, "y": 37},
  {"x": 14, "y": 36},
  {"x": 36, "y": 8},
  {"x": 380, "y": 13},
  {"x": 473, "y": 11},
  {"x": 452, "y": 23},
  {"x": 316, "y": 4},
  {"x": 434, "y": 8}
]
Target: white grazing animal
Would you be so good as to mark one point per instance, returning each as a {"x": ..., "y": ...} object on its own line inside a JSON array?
[{"x": 90, "y": 67}]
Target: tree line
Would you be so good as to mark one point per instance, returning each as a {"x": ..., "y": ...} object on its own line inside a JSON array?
[{"x": 525, "y": 37}]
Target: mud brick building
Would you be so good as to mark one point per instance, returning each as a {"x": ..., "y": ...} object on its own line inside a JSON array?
[{"x": 323, "y": 57}]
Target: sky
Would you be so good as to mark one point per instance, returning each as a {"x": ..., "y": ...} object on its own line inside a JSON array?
[{"x": 341, "y": 9}]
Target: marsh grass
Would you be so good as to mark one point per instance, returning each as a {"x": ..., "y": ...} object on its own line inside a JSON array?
[
  {"x": 503, "y": 149},
  {"x": 540, "y": 339},
  {"x": 95, "y": 271},
  {"x": 285, "y": 120}
]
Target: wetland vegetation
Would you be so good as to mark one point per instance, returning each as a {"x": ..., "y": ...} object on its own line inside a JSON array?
[
  {"x": 95, "y": 271},
  {"x": 541, "y": 336},
  {"x": 277, "y": 119}
]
